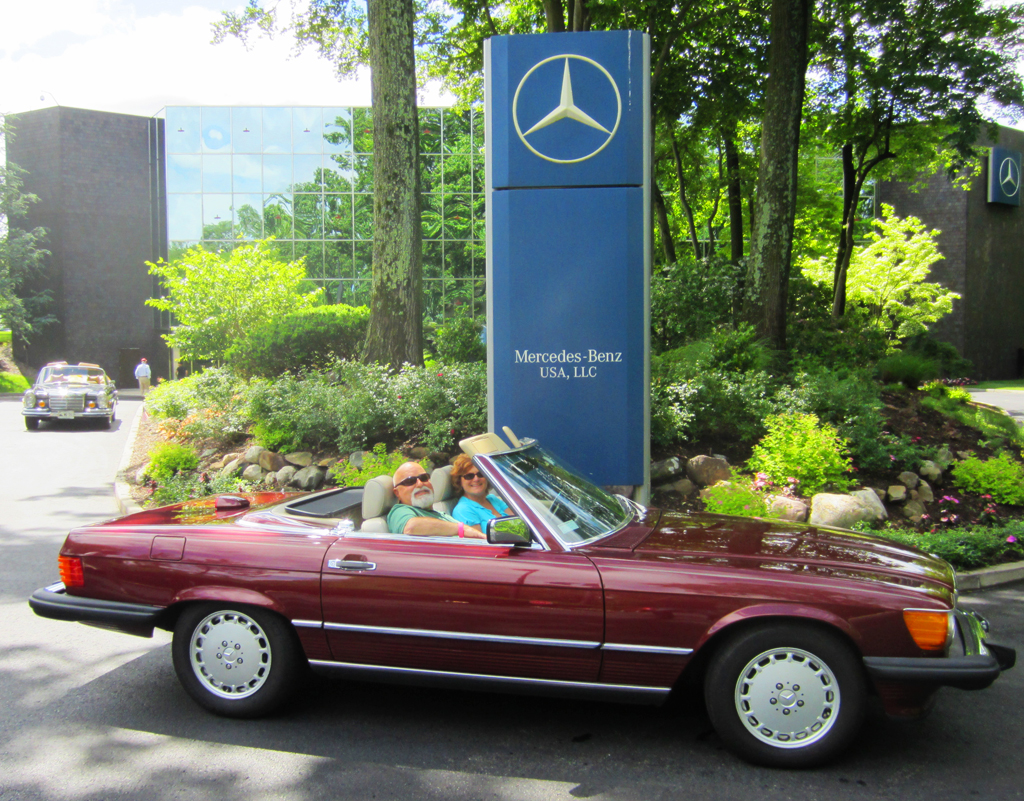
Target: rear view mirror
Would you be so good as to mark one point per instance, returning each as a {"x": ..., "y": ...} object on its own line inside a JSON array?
[{"x": 508, "y": 531}]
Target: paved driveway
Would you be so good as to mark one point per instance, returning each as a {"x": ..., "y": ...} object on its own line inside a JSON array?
[{"x": 1012, "y": 400}]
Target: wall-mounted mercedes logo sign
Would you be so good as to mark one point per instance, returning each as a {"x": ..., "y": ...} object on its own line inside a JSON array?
[
  {"x": 566, "y": 108},
  {"x": 1009, "y": 177}
]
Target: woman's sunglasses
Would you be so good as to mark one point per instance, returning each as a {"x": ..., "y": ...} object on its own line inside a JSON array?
[
  {"x": 411, "y": 480},
  {"x": 471, "y": 476}
]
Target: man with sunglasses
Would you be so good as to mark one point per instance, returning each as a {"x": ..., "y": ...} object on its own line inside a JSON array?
[{"x": 414, "y": 513}]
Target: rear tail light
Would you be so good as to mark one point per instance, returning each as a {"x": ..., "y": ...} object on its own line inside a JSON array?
[
  {"x": 71, "y": 571},
  {"x": 932, "y": 630}
]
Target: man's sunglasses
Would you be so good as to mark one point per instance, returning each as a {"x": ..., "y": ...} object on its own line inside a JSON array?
[
  {"x": 472, "y": 476},
  {"x": 411, "y": 480}
]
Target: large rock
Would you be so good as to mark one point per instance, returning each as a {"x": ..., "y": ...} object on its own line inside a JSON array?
[
  {"x": 300, "y": 459},
  {"x": 252, "y": 455},
  {"x": 908, "y": 479},
  {"x": 232, "y": 468},
  {"x": 786, "y": 508},
  {"x": 309, "y": 478},
  {"x": 357, "y": 459},
  {"x": 841, "y": 511},
  {"x": 913, "y": 510},
  {"x": 931, "y": 471},
  {"x": 924, "y": 492},
  {"x": 871, "y": 499},
  {"x": 664, "y": 471},
  {"x": 683, "y": 486},
  {"x": 286, "y": 475},
  {"x": 270, "y": 461},
  {"x": 253, "y": 473},
  {"x": 897, "y": 493},
  {"x": 706, "y": 471}
]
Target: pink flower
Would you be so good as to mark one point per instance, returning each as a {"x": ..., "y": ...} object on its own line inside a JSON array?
[{"x": 1011, "y": 538}]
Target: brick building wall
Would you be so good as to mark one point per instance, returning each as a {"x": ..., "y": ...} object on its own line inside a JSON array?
[{"x": 96, "y": 177}]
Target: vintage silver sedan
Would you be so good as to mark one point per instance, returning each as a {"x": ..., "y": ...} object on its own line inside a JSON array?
[{"x": 65, "y": 391}]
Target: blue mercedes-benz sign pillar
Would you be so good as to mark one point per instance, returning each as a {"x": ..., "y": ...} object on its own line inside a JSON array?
[{"x": 568, "y": 247}]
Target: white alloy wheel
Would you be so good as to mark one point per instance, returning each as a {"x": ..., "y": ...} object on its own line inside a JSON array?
[{"x": 230, "y": 654}]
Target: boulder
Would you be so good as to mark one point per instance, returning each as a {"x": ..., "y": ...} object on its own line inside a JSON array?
[
  {"x": 357, "y": 458},
  {"x": 253, "y": 473},
  {"x": 924, "y": 492},
  {"x": 706, "y": 471},
  {"x": 897, "y": 493},
  {"x": 871, "y": 499},
  {"x": 231, "y": 468},
  {"x": 217, "y": 465},
  {"x": 787, "y": 508},
  {"x": 881, "y": 493},
  {"x": 931, "y": 471},
  {"x": 309, "y": 478},
  {"x": 913, "y": 510},
  {"x": 271, "y": 462},
  {"x": 286, "y": 474},
  {"x": 417, "y": 454},
  {"x": 252, "y": 455},
  {"x": 326, "y": 463},
  {"x": 908, "y": 479},
  {"x": 270, "y": 479},
  {"x": 300, "y": 459},
  {"x": 664, "y": 471},
  {"x": 841, "y": 511},
  {"x": 208, "y": 453},
  {"x": 683, "y": 486},
  {"x": 944, "y": 458}
]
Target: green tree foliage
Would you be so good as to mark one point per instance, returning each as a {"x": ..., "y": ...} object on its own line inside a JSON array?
[
  {"x": 887, "y": 278},
  {"x": 22, "y": 306},
  {"x": 311, "y": 339},
  {"x": 797, "y": 446},
  {"x": 216, "y": 298}
]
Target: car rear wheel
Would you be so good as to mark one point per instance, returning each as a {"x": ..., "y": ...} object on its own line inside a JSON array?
[
  {"x": 235, "y": 660},
  {"x": 31, "y": 423},
  {"x": 785, "y": 695}
]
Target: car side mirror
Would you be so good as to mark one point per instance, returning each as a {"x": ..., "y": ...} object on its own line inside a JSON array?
[{"x": 508, "y": 531}]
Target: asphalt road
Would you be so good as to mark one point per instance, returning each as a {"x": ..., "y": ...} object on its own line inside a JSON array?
[
  {"x": 1010, "y": 400},
  {"x": 87, "y": 714}
]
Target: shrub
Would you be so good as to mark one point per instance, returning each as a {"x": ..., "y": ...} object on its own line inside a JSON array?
[
  {"x": 293, "y": 412},
  {"x": 170, "y": 458},
  {"x": 966, "y": 548},
  {"x": 189, "y": 486},
  {"x": 440, "y": 407},
  {"x": 734, "y": 498},
  {"x": 951, "y": 363},
  {"x": 378, "y": 462},
  {"x": 313, "y": 339},
  {"x": 1002, "y": 477},
  {"x": 207, "y": 404},
  {"x": 797, "y": 446},
  {"x": 907, "y": 369},
  {"x": 690, "y": 299},
  {"x": 13, "y": 382},
  {"x": 457, "y": 341}
]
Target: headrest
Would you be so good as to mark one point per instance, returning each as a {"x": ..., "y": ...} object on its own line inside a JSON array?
[
  {"x": 441, "y": 481},
  {"x": 378, "y": 497}
]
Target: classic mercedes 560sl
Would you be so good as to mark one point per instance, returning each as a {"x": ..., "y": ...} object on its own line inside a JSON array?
[{"x": 787, "y": 627}]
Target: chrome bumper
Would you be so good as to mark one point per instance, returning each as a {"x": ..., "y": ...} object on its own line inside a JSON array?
[{"x": 973, "y": 663}]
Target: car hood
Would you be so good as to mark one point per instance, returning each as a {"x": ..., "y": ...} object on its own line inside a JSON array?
[
  {"x": 69, "y": 387},
  {"x": 782, "y": 547}
]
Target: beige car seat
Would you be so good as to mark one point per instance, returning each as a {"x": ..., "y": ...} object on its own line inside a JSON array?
[
  {"x": 444, "y": 496},
  {"x": 378, "y": 498}
]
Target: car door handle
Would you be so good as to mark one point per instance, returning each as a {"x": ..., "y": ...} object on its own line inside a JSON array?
[{"x": 350, "y": 564}]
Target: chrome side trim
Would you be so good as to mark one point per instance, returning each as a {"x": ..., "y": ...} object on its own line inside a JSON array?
[
  {"x": 307, "y": 624},
  {"x": 646, "y": 649},
  {"x": 458, "y": 635},
  {"x": 631, "y": 692}
]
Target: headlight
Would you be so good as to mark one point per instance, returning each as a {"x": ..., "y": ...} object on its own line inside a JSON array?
[{"x": 29, "y": 400}]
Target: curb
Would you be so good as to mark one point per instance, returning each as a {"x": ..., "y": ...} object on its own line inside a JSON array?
[{"x": 122, "y": 492}]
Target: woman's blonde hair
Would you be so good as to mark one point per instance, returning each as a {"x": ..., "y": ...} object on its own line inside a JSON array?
[{"x": 460, "y": 466}]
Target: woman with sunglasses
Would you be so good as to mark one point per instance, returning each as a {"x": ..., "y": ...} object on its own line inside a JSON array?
[{"x": 478, "y": 504}]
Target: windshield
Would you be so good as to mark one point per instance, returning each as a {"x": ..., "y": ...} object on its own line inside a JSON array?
[
  {"x": 72, "y": 373},
  {"x": 575, "y": 508}
]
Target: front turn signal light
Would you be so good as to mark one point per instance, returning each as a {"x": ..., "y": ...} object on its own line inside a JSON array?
[
  {"x": 71, "y": 571},
  {"x": 931, "y": 630}
]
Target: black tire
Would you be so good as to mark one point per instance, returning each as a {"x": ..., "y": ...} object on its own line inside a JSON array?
[
  {"x": 261, "y": 650},
  {"x": 785, "y": 695},
  {"x": 31, "y": 423}
]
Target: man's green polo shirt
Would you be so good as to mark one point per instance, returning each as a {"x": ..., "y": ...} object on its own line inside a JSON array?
[{"x": 402, "y": 513}]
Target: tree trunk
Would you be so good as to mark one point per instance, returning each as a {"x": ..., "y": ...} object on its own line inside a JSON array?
[
  {"x": 851, "y": 193},
  {"x": 767, "y": 285},
  {"x": 395, "y": 333},
  {"x": 732, "y": 171},
  {"x": 668, "y": 247},
  {"x": 682, "y": 199}
]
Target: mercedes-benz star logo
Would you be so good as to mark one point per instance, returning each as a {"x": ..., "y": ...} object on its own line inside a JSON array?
[
  {"x": 566, "y": 109},
  {"x": 1009, "y": 177}
]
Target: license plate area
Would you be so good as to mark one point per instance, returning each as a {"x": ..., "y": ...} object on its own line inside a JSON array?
[{"x": 65, "y": 415}]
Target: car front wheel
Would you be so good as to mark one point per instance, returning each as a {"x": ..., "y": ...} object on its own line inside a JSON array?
[
  {"x": 31, "y": 423},
  {"x": 235, "y": 660},
  {"x": 786, "y": 695}
]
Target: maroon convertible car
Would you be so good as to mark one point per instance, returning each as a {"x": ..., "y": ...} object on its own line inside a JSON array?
[{"x": 789, "y": 627}]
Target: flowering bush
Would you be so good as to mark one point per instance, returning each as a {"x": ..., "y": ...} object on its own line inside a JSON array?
[
  {"x": 736, "y": 497},
  {"x": 167, "y": 459},
  {"x": 797, "y": 446},
  {"x": 1001, "y": 477}
]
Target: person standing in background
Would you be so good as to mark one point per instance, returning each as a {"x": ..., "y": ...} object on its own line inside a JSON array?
[{"x": 143, "y": 373}]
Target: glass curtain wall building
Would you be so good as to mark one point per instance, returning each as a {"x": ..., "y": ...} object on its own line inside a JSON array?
[{"x": 304, "y": 175}]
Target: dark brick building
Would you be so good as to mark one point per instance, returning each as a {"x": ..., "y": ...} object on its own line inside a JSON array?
[
  {"x": 99, "y": 179},
  {"x": 983, "y": 245}
]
